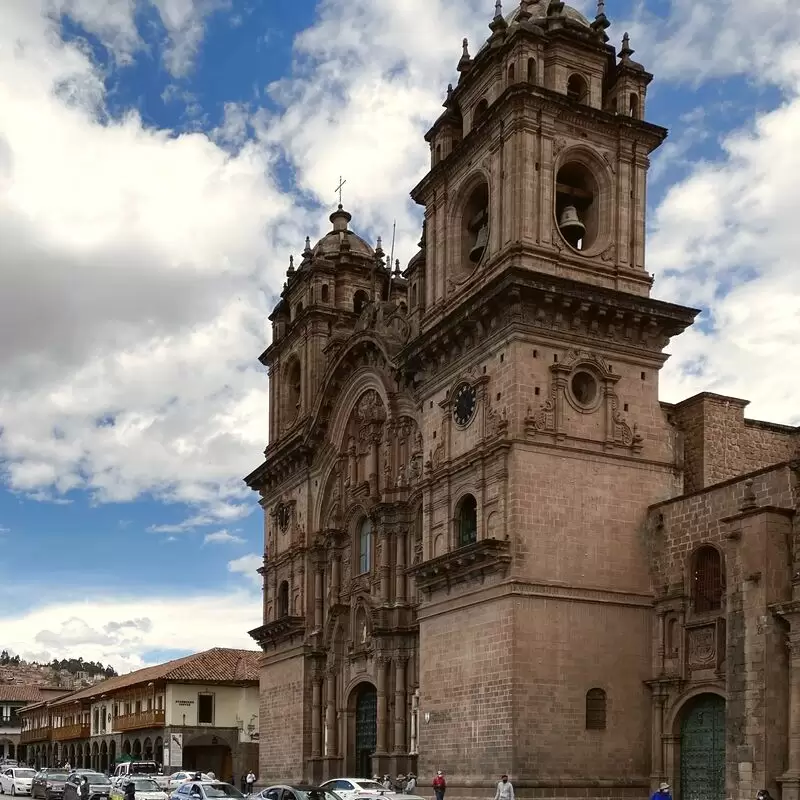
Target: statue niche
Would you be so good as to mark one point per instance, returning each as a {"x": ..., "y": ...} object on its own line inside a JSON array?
[{"x": 365, "y": 433}]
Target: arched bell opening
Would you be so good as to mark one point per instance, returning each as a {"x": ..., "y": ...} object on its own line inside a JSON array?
[
  {"x": 577, "y": 205},
  {"x": 360, "y": 299},
  {"x": 293, "y": 389},
  {"x": 475, "y": 227},
  {"x": 577, "y": 88}
]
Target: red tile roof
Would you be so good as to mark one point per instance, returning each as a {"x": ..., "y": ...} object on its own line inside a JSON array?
[
  {"x": 218, "y": 665},
  {"x": 15, "y": 692}
]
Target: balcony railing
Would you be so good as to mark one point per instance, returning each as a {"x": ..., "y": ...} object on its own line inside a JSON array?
[
  {"x": 35, "y": 735},
  {"x": 70, "y": 732},
  {"x": 142, "y": 719}
]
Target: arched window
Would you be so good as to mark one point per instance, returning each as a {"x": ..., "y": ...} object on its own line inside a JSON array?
[
  {"x": 595, "y": 710},
  {"x": 510, "y": 74},
  {"x": 531, "y": 70},
  {"x": 362, "y": 630},
  {"x": 365, "y": 546},
  {"x": 577, "y": 89},
  {"x": 467, "y": 521},
  {"x": 633, "y": 105},
  {"x": 480, "y": 111},
  {"x": 283, "y": 600},
  {"x": 360, "y": 299},
  {"x": 671, "y": 645},
  {"x": 708, "y": 582},
  {"x": 293, "y": 387},
  {"x": 324, "y": 293}
]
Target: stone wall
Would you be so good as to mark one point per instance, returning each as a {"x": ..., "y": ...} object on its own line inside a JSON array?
[
  {"x": 749, "y": 520},
  {"x": 284, "y": 719},
  {"x": 719, "y": 443}
]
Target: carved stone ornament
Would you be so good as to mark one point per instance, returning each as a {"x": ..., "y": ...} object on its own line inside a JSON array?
[
  {"x": 702, "y": 648},
  {"x": 542, "y": 419},
  {"x": 496, "y": 422},
  {"x": 559, "y": 143},
  {"x": 610, "y": 253},
  {"x": 386, "y": 319}
]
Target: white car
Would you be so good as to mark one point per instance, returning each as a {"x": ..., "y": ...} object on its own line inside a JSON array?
[
  {"x": 16, "y": 780},
  {"x": 357, "y": 789},
  {"x": 144, "y": 789},
  {"x": 178, "y": 778}
]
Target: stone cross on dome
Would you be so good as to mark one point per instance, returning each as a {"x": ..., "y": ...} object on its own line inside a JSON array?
[{"x": 339, "y": 189}]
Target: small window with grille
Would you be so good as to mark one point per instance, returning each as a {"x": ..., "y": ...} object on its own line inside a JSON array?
[{"x": 595, "y": 710}]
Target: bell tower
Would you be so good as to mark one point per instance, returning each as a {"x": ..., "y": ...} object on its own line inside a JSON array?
[
  {"x": 535, "y": 358},
  {"x": 540, "y": 159}
]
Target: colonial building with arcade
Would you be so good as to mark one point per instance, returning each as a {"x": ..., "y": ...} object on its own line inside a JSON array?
[{"x": 489, "y": 546}]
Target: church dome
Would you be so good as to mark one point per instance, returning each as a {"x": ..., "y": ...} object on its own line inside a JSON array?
[
  {"x": 331, "y": 243},
  {"x": 538, "y": 11}
]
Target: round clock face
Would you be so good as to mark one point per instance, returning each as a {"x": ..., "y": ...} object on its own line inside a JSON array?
[{"x": 466, "y": 399}]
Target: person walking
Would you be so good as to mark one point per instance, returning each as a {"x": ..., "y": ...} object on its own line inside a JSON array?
[
  {"x": 411, "y": 784},
  {"x": 84, "y": 788},
  {"x": 663, "y": 793},
  {"x": 505, "y": 789},
  {"x": 439, "y": 785},
  {"x": 251, "y": 781},
  {"x": 130, "y": 791}
]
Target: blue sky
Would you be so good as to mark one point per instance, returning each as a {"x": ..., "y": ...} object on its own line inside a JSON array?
[{"x": 160, "y": 160}]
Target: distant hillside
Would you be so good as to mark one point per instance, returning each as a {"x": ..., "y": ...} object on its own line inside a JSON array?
[{"x": 68, "y": 673}]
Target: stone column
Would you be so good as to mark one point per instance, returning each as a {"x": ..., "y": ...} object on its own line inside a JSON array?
[
  {"x": 330, "y": 714},
  {"x": 375, "y": 462},
  {"x": 658, "y": 732},
  {"x": 384, "y": 564},
  {"x": 400, "y": 568},
  {"x": 400, "y": 705},
  {"x": 414, "y": 723},
  {"x": 316, "y": 717},
  {"x": 790, "y": 780},
  {"x": 383, "y": 722},
  {"x": 336, "y": 577},
  {"x": 352, "y": 463},
  {"x": 318, "y": 575}
]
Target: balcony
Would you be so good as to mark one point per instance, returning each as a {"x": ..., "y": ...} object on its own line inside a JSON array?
[
  {"x": 35, "y": 735},
  {"x": 66, "y": 732},
  {"x": 144, "y": 719}
]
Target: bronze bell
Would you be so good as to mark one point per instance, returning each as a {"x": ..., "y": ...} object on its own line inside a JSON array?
[
  {"x": 479, "y": 248},
  {"x": 570, "y": 225}
]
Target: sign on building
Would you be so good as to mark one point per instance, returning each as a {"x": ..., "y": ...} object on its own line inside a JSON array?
[{"x": 173, "y": 750}]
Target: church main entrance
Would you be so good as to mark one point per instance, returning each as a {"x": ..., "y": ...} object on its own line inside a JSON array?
[
  {"x": 703, "y": 749},
  {"x": 366, "y": 729}
]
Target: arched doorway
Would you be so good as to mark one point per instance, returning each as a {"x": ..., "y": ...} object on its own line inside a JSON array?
[
  {"x": 703, "y": 749},
  {"x": 95, "y": 757},
  {"x": 210, "y": 753},
  {"x": 103, "y": 756},
  {"x": 158, "y": 752},
  {"x": 147, "y": 749},
  {"x": 366, "y": 728}
]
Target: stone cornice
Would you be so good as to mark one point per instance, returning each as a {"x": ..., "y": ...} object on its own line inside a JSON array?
[
  {"x": 544, "y": 302},
  {"x": 279, "y": 631},
  {"x": 466, "y": 563}
]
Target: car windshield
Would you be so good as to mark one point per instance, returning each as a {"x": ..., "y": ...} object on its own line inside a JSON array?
[
  {"x": 146, "y": 785},
  {"x": 24, "y": 773},
  {"x": 95, "y": 778},
  {"x": 315, "y": 794},
  {"x": 55, "y": 776},
  {"x": 371, "y": 785},
  {"x": 222, "y": 790}
]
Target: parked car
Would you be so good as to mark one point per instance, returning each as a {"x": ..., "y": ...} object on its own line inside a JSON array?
[
  {"x": 16, "y": 780},
  {"x": 48, "y": 783},
  {"x": 149, "y": 769},
  {"x": 145, "y": 789},
  {"x": 206, "y": 790},
  {"x": 177, "y": 778},
  {"x": 297, "y": 792},
  {"x": 99, "y": 786},
  {"x": 356, "y": 789}
]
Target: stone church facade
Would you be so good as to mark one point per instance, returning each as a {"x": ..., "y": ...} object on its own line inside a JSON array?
[{"x": 489, "y": 547}]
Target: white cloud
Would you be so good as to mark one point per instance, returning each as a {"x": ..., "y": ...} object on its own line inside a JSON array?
[
  {"x": 119, "y": 631},
  {"x": 222, "y": 537},
  {"x": 247, "y": 566}
]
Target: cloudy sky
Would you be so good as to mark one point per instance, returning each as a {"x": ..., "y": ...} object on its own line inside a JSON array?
[{"x": 160, "y": 160}]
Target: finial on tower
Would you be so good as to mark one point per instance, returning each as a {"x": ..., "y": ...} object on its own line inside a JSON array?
[
  {"x": 466, "y": 60},
  {"x": 290, "y": 271},
  {"x": 307, "y": 253},
  {"x": 498, "y": 9},
  {"x": 601, "y": 21},
  {"x": 626, "y": 52},
  {"x": 498, "y": 24}
]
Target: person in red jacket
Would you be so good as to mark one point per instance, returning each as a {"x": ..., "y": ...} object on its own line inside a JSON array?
[{"x": 439, "y": 785}]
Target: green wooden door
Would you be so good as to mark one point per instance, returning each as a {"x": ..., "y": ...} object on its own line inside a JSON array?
[{"x": 703, "y": 749}]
